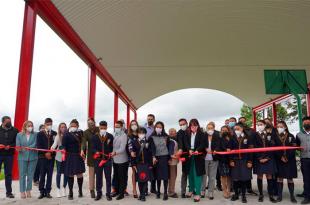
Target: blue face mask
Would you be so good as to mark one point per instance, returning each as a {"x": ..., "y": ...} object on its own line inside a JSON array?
[{"x": 231, "y": 124}]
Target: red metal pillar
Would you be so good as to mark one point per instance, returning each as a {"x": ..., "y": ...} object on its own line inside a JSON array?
[
  {"x": 92, "y": 94},
  {"x": 274, "y": 114},
  {"x": 115, "y": 107},
  {"x": 135, "y": 113},
  {"x": 254, "y": 119},
  {"x": 25, "y": 71},
  {"x": 128, "y": 116}
]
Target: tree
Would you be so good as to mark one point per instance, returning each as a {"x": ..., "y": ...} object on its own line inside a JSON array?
[
  {"x": 292, "y": 107},
  {"x": 246, "y": 111}
]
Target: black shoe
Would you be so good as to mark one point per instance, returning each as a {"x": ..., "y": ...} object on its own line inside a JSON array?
[
  {"x": 272, "y": 199},
  {"x": 302, "y": 195},
  {"x": 305, "y": 201},
  {"x": 143, "y": 198},
  {"x": 109, "y": 198},
  {"x": 98, "y": 197},
  {"x": 183, "y": 196},
  {"x": 158, "y": 196},
  {"x": 175, "y": 195},
  {"x": 153, "y": 191},
  {"x": 135, "y": 196},
  {"x": 219, "y": 188},
  {"x": 244, "y": 199},
  {"x": 41, "y": 196},
  {"x": 114, "y": 194},
  {"x": 48, "y": 196},
  {"x": 10, "y": 195},
  {"x": 126, "y": 193},
  {"x": 92, "y": 194},
  {"x": 70, "y": 197},
  {"x": 234, "y": 197},
  {"x": 119, "y": 197},
  {"x": 211, "y": 197},
  {"x": 279, "y": 199},
  {"x": 293, "y": 199},
  {"x": 165, "y": 198},
  {"x": 80, "y": 194},
  {"x": 261, "y": 198}
]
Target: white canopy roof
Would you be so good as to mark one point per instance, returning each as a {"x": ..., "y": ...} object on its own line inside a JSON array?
[{"x": 152, "y": 47}]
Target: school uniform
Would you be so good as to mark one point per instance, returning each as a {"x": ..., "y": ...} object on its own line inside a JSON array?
[
  {"x": 103, "y": 145},
  {"x": 143, "y": 163},
  {"x": 240, "y": 173},
  {"x": 74, "y": 163},
  {"x": 211, "y": 164},
  {"x": 45, "y": 140},
  {"x": 27, "y": 160}
]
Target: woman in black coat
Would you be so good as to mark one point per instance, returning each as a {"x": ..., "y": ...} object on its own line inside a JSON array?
[
  {"x": 194, "y": 142},
  {"x": 286, "y": 160},
  {"x": 264, "y": 161},
  {"x": 241, "y": 164},
  {"x": 74, "y": 163}
]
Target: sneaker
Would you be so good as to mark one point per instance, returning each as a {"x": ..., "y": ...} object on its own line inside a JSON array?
[
  {"x": 58, "y": 193},
  {"x": 63, "y": 192}
]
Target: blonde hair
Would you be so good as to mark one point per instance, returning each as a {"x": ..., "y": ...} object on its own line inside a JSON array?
[
  {"x": 212, "y": 124},
  {"x": 24, "y": 129}
]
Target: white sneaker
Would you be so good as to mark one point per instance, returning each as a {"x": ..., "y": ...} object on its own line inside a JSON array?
[
  {"x": 64, "y": 192},
  {"x": 58, "y": 193}
]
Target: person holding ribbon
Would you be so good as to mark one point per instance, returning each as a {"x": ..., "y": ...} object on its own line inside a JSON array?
[
  {"x": 265, "y": 162},
  {"x": 241, "y": 164},
  {"x": 142, "y": 162},
  {"x": 74, "y": 162},
  {"x": 194, "y": 142},
  {"x": 286, "y": 160},
  {"x": 101, "y": 149},
  {"x": 27, "y": 159},
  {"x": 57, "y": 146}
]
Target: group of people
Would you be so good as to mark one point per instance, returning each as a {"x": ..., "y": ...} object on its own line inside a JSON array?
[{"x": 153, "y": 155}]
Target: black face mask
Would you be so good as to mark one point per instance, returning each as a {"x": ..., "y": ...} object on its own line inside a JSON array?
[
  {"x": 225, "y": 134},
  {"x": 8, "y": 125},
  {"x": 307, "y": 127}
]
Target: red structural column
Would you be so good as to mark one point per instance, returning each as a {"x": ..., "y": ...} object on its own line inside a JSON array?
[
  {"x": 115, "y": 107},
  {"x": 128, "y": 116},
  {"x": 25, "y": 71},
  {"x": 274, "y": 114},
  {"x": 92, "y": 94},
  {"x": 135, "y": 113},
  {"x": 254, "y": 119}
]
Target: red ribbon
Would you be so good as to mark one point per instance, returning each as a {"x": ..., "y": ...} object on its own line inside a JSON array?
[{"x": 257, "y": 150}]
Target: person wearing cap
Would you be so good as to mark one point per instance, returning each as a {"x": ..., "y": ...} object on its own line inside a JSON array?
[
  {"x": 45, "y": 140},
  {"x": 7, "y": 138},
  {"x": 101, "y": 147}
]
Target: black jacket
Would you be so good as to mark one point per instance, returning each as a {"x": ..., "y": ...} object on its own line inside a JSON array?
[
  {"x": 102, "y": 144},
  {"x": 7, "y": 137},
  {"x": 215, "y": 144},
  {"x": 246, "y": 142},
  {"x": 45, "y": 141}
]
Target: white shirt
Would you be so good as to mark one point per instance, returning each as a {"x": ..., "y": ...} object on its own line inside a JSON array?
[
  {"x": 209, "y": 156},
  {"x": 193, "y": 136},
  {"x": 27, "y": 136}
]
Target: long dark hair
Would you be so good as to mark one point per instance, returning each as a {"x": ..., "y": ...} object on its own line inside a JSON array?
[
  {"x": 163, "y": 132},
  {"x": 130, "y": 131},
  {"x": 285, "y": 125}
]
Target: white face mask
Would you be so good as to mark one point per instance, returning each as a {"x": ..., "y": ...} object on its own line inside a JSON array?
[
  {"x": 72, "y": 129},
  {"x": 118, "y": 130},
  {"x": 49, "y": 128},
  {"x": 158, "y": 130},
  {"x": 29, "y": 129},
  {"x": 210, "y": 132},
  {"x": 261, "y": 128},
  {"x": 141, "y": 136},
  {"x": 281, "y": 130},
  {"x": 238, "y": 133},
  {"x": 103, "y": 132},
  {"x": 183, "y": 127},
  {"x": 134, "y": 127}
]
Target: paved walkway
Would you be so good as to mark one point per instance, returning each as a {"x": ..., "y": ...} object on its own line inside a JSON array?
[{"x": 151, "y": 200}]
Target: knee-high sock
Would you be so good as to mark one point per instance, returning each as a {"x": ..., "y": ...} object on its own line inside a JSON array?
[
  {"x": 165, "y": 186},
  {"x": 243, "y": 187},
  {"x": 260, "y": 186},
  {"x": 236, "y": 187},
  {"x": 291, "y": 188},
  {"x": 270, "y": 186},
  {"x": 158, "y": 186},
  {"x": 70, "y": 184},
  {"x": 80, "y": 183},
  {"x": 280, "y": 189}
]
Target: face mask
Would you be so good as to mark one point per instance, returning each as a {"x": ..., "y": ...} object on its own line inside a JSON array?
[
  {"x": 261, "y": 128},
  {"x": 134, "y": 127},
  {"x": 158, "y": 130},
  {"x": 183, "y": 127},
  {"x": 210, "y": 132},
  {"x": 29, "y": 129},
  {"x": 224, "y": 134},
  {"x": 49, "y": 128},
  {"x": 231, "y": 124},
  {"x": 72, "y": 129},
  {"x": 238, "y": 133},
  {"x": 8, "y": 125},
  {"x": 141, "y": 136},
  {"x": 307, "y": 127},
  {"x": 103, "y": 132},
  {"x": 281, "y": 130},
  {"x": 118, "y": 130}
]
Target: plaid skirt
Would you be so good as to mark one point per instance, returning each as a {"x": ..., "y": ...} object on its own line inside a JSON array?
[{"x": 224, "y": 169}]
